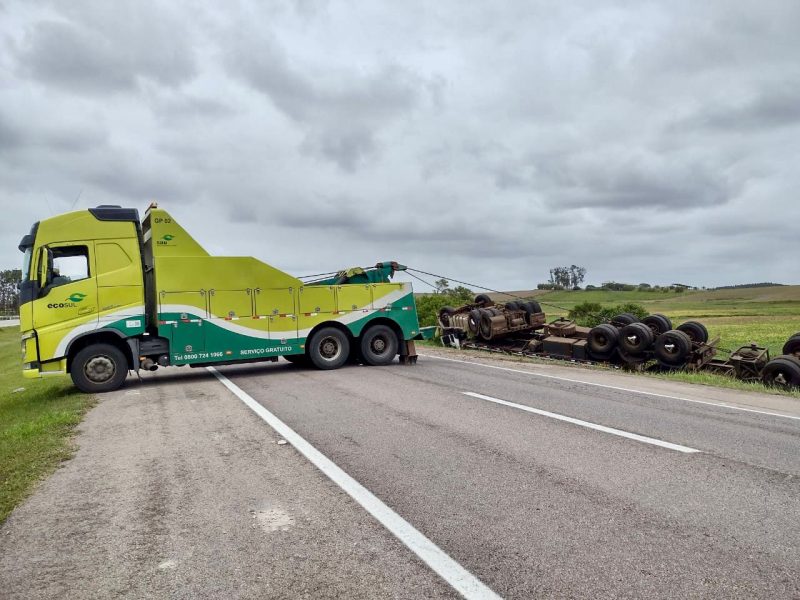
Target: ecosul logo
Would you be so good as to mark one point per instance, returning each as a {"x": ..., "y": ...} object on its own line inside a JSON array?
[
  {"x": 165, "y": 240},
  {"x": 70, "y": 302}
]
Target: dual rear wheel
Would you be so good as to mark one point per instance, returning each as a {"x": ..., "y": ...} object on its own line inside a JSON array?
[{"x": 329, "y": 348}]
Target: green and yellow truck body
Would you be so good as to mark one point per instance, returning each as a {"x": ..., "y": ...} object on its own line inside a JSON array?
[{"x": 153, "y": 292}]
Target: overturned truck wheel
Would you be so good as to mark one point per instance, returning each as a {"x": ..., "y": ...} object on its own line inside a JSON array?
[
  {"x": 673, "y": 349},
  {"x": 602, "y": 341},
  {"x": 696, "y": 331},
  {"x": 658, "y": 323},
  {"x": 635, "y": 339},
  {"x": 624, "y": 319},
  {"x": 782, "y": 372},
  {"x": 792, "y": 345}
]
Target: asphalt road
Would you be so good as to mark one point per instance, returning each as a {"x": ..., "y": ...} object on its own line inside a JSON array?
[{"x": 180, "y": 490}]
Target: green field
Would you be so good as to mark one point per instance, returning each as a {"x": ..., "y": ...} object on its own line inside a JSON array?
[{"x": 35, "y": 424}]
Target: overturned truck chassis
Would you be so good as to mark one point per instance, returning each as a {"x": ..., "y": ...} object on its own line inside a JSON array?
[{"x": 521, "y": 328}]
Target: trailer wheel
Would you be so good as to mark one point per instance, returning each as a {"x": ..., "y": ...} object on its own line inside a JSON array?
[
  {"x": 672, "y": 348},
  {"x": 379, "y": 345},
  {"x": 624, "y": 319},
  {"x": 602, "y": 341},
  {"x": 658, "y": 323},
  {"x": 328, "y": 348},
  {"x": 792, "y": 345},
  {"x": 482, "y": 300},
  {"x": 99, "y": 368},
  {"x": 444, "y": 315},
  {"x": 696, "y": 331},
  {"x": 635, "y": 339},
  {"x": 783, "y": 372},
  {"x": 474, "y": 321}
]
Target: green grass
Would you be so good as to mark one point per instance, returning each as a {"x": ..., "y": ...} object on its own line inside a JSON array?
[{"x": 35, "y": 424}]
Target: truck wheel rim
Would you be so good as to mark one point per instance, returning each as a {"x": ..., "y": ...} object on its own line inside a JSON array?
[
  {"x": 379, "y": 345},
  {"x": 329, "y": 348},
  {"x": 99, "y": 369}
]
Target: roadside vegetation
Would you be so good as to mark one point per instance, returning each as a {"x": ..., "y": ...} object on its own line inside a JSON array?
[{"x": 37, "y": 418}]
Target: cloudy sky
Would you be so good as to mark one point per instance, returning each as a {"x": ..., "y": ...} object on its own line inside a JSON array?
[{"x": 646, "y": 141}]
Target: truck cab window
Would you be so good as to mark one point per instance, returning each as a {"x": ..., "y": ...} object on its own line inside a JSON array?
[{"x": 67, "y": 264}]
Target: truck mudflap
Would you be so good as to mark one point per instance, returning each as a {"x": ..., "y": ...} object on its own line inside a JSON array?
[{"x": 408, "y": 353}]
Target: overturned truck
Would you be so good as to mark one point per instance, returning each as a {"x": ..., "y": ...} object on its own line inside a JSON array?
[{"x": 651, "y": 343}]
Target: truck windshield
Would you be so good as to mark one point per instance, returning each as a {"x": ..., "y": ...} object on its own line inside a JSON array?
[{"x": 26, "y": 264}]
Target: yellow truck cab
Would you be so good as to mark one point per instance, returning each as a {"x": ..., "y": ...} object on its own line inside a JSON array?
[{"x": 103, "y": 293}]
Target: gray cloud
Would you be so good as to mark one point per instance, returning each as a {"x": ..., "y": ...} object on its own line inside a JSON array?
[
  {"x": 114, "y": 50},
  {"x": 647, "y": 142}
]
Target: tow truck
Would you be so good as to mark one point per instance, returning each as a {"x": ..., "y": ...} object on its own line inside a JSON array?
[{"x": 103, "y": 293}]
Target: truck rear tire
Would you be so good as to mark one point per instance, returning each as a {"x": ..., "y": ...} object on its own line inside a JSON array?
[
  {"x": 636, "y": 339},
  {"x": 695, "y": 330},
  {"x": 792, "y": 345},
  {"x": 623, "y": 319},
  {"x": 379, "y": 345},
  {"x": 658, "y": 323},
  {"x": 328, "y": 348},
  {"x": 782, "y": 372},
  {"x": 99, "y": 368},
  {"x": 602, "y": 341},
  {"x": 673, "y": 348}
]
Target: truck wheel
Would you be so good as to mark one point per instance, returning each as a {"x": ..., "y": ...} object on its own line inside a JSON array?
[
  {"x": 379, "y": 345},
  {"x": 696, "y": 331},
  {"x": 792, "y": 345},
  {"x": 99, "y": 368},
  {"x": 672, "y": 348},
  {"x": 635, "y": 339},
  {"x": 444, "y": 315},
  {"x": 658, "y": 323},
  {"x": 783, "y": 372},
  {"x": 512, "y": 305},
  {"x": 624, "y": 319},
  {"x": 474, "y": 321},
  {"x": 482, "y": 300},
  {"x": 602, "y": 341},
  {"x": 328, "y": 348}
]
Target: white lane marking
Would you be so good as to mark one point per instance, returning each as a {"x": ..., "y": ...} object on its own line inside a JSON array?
[
  {"x": 595, "y": 426},
  {"x": 620, "y": 389},
  {"x": 464, "y": 582}
]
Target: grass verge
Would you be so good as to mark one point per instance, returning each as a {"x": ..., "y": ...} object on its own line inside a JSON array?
[{"x": 35, "y": 424}]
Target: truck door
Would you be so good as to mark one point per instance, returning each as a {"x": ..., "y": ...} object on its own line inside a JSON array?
[{"x": 68, "y": 303}]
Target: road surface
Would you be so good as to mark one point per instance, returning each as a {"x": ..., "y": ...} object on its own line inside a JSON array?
[{"x": 504, "y": 479}]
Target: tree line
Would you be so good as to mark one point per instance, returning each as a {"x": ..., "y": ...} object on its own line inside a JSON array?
[{"x": 9, "y": 292}]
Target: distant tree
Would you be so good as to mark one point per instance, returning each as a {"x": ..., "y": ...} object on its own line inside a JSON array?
[
  {"x": 567, "y": 278},
  {"x": 9, "y": 292},
  {"x": 442, "y": 285},
  {"x": 459, "y": 295}
]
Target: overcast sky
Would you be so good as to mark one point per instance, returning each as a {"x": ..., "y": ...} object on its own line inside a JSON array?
[{"x": 646, "y": 141}]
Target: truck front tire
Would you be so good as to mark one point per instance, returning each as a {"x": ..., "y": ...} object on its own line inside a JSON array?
[{"x": 99, "y": 368}]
